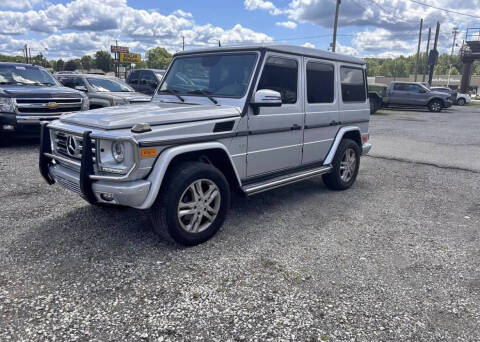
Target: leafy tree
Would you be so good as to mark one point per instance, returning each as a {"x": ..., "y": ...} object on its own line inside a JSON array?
[
  {"x": 87, "y": 62},
  {"x": 103, "y": 60},
  {"x": 72, "y": 65},
  {"x": 60, "y": 65},
  {"x": 158, "y": 58}
]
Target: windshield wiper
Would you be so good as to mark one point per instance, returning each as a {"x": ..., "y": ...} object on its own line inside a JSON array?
[
  {"x": 204, "y": 93},
  {"x": 173, "y": 92}
]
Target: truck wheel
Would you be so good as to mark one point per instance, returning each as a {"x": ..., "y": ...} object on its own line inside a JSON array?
[
  {"x": 461, "y": 101},
  {"x": 435, "y": 106},
  {"x": 345, "y": 166},
  {"x": 193, "y": 204}
]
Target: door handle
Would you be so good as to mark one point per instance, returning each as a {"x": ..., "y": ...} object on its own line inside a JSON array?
[{"x": 296, "y": 127}]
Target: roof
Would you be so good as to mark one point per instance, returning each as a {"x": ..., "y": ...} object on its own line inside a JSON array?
[
  {"x": 289, "y": 49},
  {"x": 20, "y": 64}
]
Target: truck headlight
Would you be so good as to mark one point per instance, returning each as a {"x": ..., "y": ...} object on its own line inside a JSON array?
[
  {"x": 85, "y": 103},
  {"x": 118, "y": 151},
  {"x": 6, "y": 105}
]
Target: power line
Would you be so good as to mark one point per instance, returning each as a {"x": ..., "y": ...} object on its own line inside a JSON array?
[{"x": 445, "y": 9}]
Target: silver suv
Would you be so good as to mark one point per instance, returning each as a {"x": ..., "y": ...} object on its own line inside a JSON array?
[{"x": 246, "y": 119}]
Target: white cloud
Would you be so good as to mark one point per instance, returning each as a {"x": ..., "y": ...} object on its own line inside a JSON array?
[
  {"x": 287, "y": 24},
  {"x": 21, "y": 4},
  {"x": 84, "y": 26},
  {"x": 346, "y": 50},
  {"x": 309, "y": 45},
  {"x": 252, "y": 5}
]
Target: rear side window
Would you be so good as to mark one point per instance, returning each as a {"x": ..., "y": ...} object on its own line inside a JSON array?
[
  {"x": 353, "y": 84},
  {"x": 148, "y": 78},
  {"x": 400, "y": 86},
  {"x": 281, "y": 74},
  {"x": 320, "y": 82},
  {"x": 71, "y": 82},
  {"x": 133, "y": 77}
]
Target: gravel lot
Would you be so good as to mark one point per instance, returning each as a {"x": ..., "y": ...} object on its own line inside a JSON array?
[{"x": 396, "y": 258}]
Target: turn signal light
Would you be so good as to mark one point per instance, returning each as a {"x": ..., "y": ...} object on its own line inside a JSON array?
[
  {"x": 365, "y": 137},
  {"x": 148, "y": 152}
]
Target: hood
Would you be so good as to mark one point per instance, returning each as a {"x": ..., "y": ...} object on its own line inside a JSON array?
[
  {"x": 153, "y": 113},
  {"x": 19, "y": 91},
  {"x": 132, "y": 96},
  {"x": 439, "y": 93}
]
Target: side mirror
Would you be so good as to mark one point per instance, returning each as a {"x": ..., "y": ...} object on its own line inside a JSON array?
[
  {"x": 266, "y": 98},
  {"x": 423, "y": 91},
  {"x": 81, "y": 88}
]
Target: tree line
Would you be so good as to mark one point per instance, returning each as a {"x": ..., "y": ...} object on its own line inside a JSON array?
[{"x": 157, "y": 58}]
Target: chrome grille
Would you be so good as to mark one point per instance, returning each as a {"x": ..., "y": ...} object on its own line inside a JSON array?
[
  {"x": 70, "y": 145},
  {"x": 47, "y": 106},
  {"x": 68, "y": 184}
]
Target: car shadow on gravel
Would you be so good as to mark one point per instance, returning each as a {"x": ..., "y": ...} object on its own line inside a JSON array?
[{"x": 15, "y": 142}]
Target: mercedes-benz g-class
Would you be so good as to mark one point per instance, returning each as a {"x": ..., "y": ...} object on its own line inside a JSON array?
[{"x": 245, "y": 119}]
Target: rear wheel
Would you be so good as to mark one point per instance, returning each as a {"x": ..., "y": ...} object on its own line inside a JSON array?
[
  {"x": 193, "y": 205},
  {"x": 345, "y": 166},
  {"x": 461, "y": 101},
  {"x": 435, "y": 106}
]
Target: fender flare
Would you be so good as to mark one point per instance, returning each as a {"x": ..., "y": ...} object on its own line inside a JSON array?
[
  {"x": 338, "y": 138},
  {"x": 163, "y": 162}
]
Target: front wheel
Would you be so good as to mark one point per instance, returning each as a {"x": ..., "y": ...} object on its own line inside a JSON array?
[
  {"x": 345, "y": 166},
  {"x": 461, "y": 101},
  {"x": 193, "y": 204},
  {"x": 435, "y": 106}
]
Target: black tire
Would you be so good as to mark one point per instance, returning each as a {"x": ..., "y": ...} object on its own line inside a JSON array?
[
  {"x": 435, "y": 106},
  {"x": 461, "y": 101},
  {"x": 334, "y": 180},
  {"x": 164, "y": 212}
]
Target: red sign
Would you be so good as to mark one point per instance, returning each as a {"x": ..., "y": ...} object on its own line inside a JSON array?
[{"x": 119, "y": 49}]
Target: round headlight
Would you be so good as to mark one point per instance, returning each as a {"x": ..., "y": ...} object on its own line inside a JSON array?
[{"x": 118, "y": 151}]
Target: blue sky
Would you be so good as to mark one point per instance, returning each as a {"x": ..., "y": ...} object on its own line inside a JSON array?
[{"x": 72, "y": 28}]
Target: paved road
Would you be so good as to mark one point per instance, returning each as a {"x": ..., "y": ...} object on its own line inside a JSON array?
[
  {"x": 396, "y": 258},
  {"x": 450, "y": 138}
]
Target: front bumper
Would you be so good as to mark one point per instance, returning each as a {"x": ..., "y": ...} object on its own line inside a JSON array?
[
  {"x": 128, "y": 193},
  {"x": 448, "y": 103},
  {"x": 24, "y": 125}
]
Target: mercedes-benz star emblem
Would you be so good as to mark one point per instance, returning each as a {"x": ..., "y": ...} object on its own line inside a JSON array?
[{"x": 71, "y": 146}]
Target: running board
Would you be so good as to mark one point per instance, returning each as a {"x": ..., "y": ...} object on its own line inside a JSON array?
[{"x": 256, "y": 188}]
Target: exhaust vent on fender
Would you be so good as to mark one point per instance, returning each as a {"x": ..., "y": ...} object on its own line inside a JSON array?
[{"x": 226, "y": 126}]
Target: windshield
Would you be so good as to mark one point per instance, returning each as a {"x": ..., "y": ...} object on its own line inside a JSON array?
[
  {"x": 215, "y": 75},
  {"x": 109, "y": 84},
  {"x": 25, "y": 75}
]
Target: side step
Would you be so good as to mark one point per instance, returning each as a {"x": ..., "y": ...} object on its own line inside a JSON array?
[{"x": 273, "y": 183}]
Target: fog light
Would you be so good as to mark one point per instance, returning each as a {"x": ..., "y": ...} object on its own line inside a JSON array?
[
  {"x": 106, "y": 197},
  {"x": 8, "y": 127}
]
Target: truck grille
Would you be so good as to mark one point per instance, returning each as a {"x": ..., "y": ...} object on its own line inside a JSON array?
[
  {"x": 48, "y": 106},
  {"x": 70, "y": 146}
]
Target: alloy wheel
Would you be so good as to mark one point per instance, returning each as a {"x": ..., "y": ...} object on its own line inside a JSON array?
[
  {"x": 199, "y": 206},
  {"x": 348, "y": 165}
]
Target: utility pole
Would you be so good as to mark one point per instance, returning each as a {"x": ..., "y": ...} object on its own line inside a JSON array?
[
  {"x": 425, "y": 65},
  {"x": 418, "y": 49},
  {"x": 25, "y": 52},
  {"x": 183, "y": 43},
  {"x": 432, "y": 58},
  {"x": 219, "y": 44},
  {"x": 455, "y": 32},
  {"x": 30, "y": 55},
  {"x": 335, "y": 25}
]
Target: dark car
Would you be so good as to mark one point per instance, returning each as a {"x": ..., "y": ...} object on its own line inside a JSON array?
[
  {"x": 30, "y": 94},
  {"x": 145, "y": 80},
  {"x": 446, "y": 90},
  {"x": 104, "y": 91}
]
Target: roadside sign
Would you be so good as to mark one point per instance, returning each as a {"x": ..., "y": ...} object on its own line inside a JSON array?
[
  {"x": 130, "y": 58},
  {"x": 119, "y": 49}
]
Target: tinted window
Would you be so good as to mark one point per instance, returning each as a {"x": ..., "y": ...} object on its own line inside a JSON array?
[
  {"x": 400, "y": 86},
  {"x": 216, "y": 75},
  {"x": 25, "y": 75},
  {"x": 281, "y": 75},
  {"x": 353, "y": 84},
  {"x": 109, "y": 84},
  {"x": 320, "y": 82},
  {"x": 413, "y": 88},
  {"x": 71, "y": 82},
  {"x": 133, "y": 77},
  {"x": 148, "y": 79}
]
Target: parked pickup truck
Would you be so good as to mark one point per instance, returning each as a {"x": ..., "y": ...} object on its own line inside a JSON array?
[
  {"x": 30, "y": 94},
  {"x": 247, "y": 119},
  {"x": 411, "y": 94}
]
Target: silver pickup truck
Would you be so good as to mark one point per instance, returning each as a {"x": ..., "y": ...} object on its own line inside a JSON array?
[{"x": 246, "y": 119}]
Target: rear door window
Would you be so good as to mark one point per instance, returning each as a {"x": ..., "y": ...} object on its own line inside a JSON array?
[
  {"x": 353, "y": 84},
  {"x": 320, "y": 82}
]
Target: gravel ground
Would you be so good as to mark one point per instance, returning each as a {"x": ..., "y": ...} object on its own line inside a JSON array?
[{"x": 396, "y": 258}]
